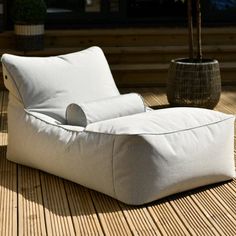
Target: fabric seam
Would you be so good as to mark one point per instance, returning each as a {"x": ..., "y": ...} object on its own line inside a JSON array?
[
  {"x": 55, "y": 125},
  {"x": 165, "y": 133},
  {"x": 12, "y": 78},
  {"x": 87, "y": 131},
  {"x": 113, "y": 175}
]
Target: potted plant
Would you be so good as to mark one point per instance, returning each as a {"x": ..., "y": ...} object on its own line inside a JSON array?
[
  {"x": 194, "y": 81},
  {"x": 29, "y": 17}
]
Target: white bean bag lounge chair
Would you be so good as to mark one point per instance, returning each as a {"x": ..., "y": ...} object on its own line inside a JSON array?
[{"x": 137, "y": 158}]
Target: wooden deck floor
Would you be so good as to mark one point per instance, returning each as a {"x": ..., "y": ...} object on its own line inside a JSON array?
[{"x": 36, "y": 203}]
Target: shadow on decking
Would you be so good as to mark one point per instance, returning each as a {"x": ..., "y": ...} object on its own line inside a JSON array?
[{"x": 55, "y": 193}]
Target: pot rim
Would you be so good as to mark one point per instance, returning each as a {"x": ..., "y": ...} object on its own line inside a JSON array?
[
  {"x": 29, "y": 24},
  {"x": 206, "y": 61}
]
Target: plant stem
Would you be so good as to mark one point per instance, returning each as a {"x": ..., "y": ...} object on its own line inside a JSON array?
[
  {"x": 190, "y": 29},
  {"x": 199, "y": 33}
]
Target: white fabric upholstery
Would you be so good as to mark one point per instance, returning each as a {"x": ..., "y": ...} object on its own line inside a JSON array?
[
  {"x": 135, "y": 159},
  {"x": 56, "y": 82},
  {"x": 104, "y": 109}
]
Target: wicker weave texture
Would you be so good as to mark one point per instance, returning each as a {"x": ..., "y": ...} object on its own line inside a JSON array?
[
  {"x": 29, "y": 37},
  {"x": 194, "y": 84},
  {"x": 29, "y": 43}
]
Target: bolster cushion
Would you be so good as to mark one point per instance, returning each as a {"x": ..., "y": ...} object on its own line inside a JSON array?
[{"x": 104, "y": 109}]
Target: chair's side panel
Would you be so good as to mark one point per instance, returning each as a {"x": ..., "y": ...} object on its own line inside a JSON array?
[
  {"x": 16, "y": 135},
  {"x": 85, "y": 158},
  {"x": 150, "y": 167},
  {"x": 10, "y": 84},
  {"x": 15, "y": 112}
]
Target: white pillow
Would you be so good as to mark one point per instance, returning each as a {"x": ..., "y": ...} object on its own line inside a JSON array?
[{"x": 104, "y": 109}]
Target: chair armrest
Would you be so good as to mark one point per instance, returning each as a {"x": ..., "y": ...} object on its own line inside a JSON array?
[{"x": 51, "y": 121}]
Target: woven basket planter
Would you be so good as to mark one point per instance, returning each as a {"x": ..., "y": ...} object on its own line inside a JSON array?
[
  {"x": 29, "y": 37},
  {"x": 194, "y": 84}
]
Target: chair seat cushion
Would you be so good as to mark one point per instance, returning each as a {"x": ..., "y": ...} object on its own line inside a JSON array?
[{"x": 160, "y": 122}]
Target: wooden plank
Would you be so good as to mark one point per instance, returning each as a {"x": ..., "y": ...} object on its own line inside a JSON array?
[
  {"x": 135, "y": 36},
  {"x": 139, "y": 54},
  {"x": 8, "y": 195},
  {"x": 150, "y": 75},
  {"x": 220, "y": 217},
  {"x": 167, "y": 220},
  {"x": 111, "y": 216},
  {"x": 193, "y": 217},
  {"x": 226, "y": 197},
  {"x": 83, "y": 213},
  {"x": 109, "y": 40},
  {"x": 57, "y": 211},
  {"x": 141, "y": 36},
  {"x": 229, "y": 100},
  {"x": 140, "y": 221},
  {"x": 145, "y": 78},
  {"x": 8, "y": 186},
  {"x": 2, "y": 138},
  {"x": 30, "y": 204},
  {"x": 232, "y": 185},
  {"x": 3, "y": 125},
  {"x": 155, "y": 97}
]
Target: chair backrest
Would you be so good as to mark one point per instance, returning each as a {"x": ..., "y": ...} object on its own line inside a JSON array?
[{"x": 49, "y": 84}]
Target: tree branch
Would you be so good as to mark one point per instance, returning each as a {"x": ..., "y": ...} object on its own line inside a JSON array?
[
  {"x": 190, "y": 30},
  {"x": 199, "y": 33}
]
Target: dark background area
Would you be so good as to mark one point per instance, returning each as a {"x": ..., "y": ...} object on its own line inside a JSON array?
[{"x": 72, "y": 13}]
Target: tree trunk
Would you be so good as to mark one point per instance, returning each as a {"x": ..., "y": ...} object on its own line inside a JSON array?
[
  {"x": 190, "y": 30},
  {"x": 199, "y": 33}
]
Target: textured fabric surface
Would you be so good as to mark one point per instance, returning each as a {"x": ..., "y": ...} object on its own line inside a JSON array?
[
  {"x": 49, "y": 84},
  {"x": 136, "y": 159},
  {"x": 134, "y": 166},
  {"x": 160, "y": 122},
  {"x": 104, "y": 109}
]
